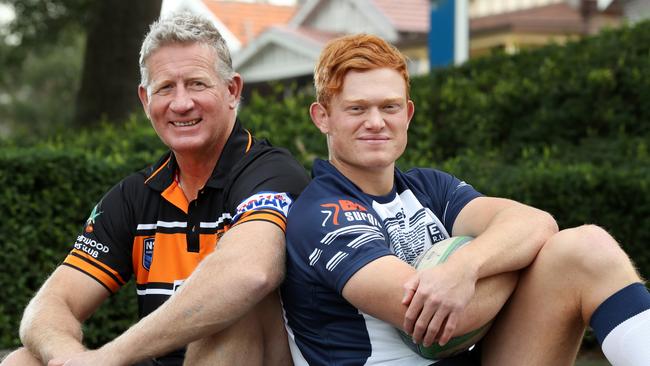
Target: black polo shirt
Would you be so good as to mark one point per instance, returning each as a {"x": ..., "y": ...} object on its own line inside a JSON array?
[{"x": 144, "y": 226}]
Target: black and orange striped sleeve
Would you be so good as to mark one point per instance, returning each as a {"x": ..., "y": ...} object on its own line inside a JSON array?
[
  {"x": 102, "y": 249},
  {"x": 100, "y": 272},
  {"x": 266, "y": 187}
]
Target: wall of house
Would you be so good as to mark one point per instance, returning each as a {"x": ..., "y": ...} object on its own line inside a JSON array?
[
  {"x": 417, "y": 59},
  {"x": 513, "y": 42},
  {"x": 341, "y": 16},
  {"x": 480, "y": 8},
  {"x": 637, "y": 10}
]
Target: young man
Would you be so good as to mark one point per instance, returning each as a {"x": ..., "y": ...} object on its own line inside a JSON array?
[
  {"x": 361, "y": 222},
  {"x": 210, "y": 215}
]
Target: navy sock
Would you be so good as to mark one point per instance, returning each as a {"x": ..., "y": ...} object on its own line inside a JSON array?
[{"x": 622, "y": 326}]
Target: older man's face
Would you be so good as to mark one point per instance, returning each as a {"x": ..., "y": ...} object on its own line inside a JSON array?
[{"x": 191, "y": 108}]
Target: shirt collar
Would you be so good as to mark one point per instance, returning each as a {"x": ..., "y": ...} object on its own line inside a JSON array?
[{"x": 162, "y": 174}]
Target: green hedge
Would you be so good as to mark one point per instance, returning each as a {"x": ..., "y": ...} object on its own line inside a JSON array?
[
  {"x": 566, "y": 100},
  {"x": 563, "y": 128},
  {"x": 45, "y": 196},
  {"x": 48, "y": 195},
  {"x": 615, "y": 197},
  {"x": 596, "y": 88}
]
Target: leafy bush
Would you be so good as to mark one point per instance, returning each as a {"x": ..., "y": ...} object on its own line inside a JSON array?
[
  {"x": 562, "y": 128},
  {"x": 615, "y": 197},
  {"x": 552, "y": 96}
]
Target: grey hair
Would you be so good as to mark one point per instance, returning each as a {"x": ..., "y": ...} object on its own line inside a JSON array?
[{"x": 185, "y": 28}]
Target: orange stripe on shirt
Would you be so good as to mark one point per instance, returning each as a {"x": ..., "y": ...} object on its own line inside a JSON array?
[
  {"x": 173, "y": 246},
  {"x": 170, "y": 260},
  {"x": 93, "y": 271},
  {"x": 99, "y": 264},
  {"x": 264, "y": 215},
  {"x": 158, "y": 170},
  {"x": 250, "y": 141}
]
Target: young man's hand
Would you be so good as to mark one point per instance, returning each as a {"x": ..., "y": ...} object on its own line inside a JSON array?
[{"x": 436, "y": 298}]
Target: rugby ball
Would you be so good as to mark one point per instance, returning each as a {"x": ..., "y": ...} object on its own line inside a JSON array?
[{"x": 438, "y": 253}]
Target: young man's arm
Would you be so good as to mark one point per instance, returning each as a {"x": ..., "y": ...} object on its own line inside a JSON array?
[
  {"x": 51, "y": 325},
  {"x": 247, "y": 264},
  {"x": 508, "y": 236}
]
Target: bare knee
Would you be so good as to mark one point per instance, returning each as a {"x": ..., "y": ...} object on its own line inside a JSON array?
[
  {"x": 587, "y": 264},
  {"x": 20, "y": 357},
  {"x": 588, "y": 248}
]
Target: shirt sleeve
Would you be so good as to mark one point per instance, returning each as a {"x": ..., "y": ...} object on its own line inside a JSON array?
[
  {"x": 448, "y": 195},
  {"x": 266, "y": 187},
  {"x": 331, "y": 239},
  {"x": 101, "y": 250}
]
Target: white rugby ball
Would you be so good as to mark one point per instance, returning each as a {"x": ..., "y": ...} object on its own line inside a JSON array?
[{"x": 438, "y": 253}]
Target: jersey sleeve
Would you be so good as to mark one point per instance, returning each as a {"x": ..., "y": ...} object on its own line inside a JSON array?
[
  {"x": 266, "y": 187},
  {"x": 448, "y": 195},
  {"x": 331, "y": 239},
  {"x": 101, "y": 250}
]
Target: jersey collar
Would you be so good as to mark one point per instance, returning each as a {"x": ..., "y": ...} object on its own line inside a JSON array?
[{"x": 161, "y": 175}]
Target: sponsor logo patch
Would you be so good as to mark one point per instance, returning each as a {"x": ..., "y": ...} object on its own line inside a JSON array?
[
  {"x": 90, "y": 246},
  {"x": 434, "y": 233},
  {"x": 91, "y": 219},
  {"x": 267, "y": 200},
  {"x": 147, "y": 252},
  {"x": 352, "y": 211}
]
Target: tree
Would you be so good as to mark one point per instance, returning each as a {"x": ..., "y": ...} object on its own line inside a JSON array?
[
  {"x": 110, "y": 72},
  {"x": 114, "y": 30}
]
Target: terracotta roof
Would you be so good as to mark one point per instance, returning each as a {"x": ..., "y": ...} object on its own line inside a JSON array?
[
  {"x": 406, "y": 15},
  {"x": 555, "y": 18},
  {"x": 247, "y": 20},
  {"x": 311, "y": 34}
]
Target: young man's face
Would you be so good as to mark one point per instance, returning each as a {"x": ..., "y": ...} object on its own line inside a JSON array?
[{"x": 367, "y": 122}]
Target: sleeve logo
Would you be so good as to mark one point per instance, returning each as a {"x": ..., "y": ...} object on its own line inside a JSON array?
[
  {"x": 91, "y": 219},
  {"x": 268, "y": 200}
]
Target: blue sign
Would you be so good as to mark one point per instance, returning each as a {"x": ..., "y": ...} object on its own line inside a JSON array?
[{"x": 448, "y": 34}]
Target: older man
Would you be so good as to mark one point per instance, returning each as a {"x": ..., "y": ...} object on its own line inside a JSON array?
[{"x": 201, "y": 231}]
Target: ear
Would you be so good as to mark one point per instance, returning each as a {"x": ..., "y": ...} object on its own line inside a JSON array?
[
  {"x": 319, "y": 116},
  {"x": 410, "y": 110},
  {"x": 144, "y": 99},
  {"x": 235, "y": 86}
]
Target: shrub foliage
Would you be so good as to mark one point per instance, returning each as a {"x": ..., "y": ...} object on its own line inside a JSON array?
[{"x": 563, "y": 128}]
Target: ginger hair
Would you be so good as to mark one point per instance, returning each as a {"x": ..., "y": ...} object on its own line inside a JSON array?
[{"x": 359, "y": 52}]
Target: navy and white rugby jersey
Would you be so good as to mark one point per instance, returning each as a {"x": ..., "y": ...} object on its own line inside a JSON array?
[{"x": 333, "y": 230}]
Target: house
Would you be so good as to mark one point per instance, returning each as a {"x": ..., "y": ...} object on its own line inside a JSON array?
[
  {"x": 271, "y": 41},
  {"x": 246, "y": 20},
  {"x": 239, "y": 22},
  {"x": 633, "y": 10},
  {"x": 513, "y": 25},
  {"x": 291, "y": 51}
]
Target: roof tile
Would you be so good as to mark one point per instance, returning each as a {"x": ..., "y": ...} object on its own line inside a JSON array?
[
  {"x": 406, "y": 15},
  {"x": 247, "y": 20}
]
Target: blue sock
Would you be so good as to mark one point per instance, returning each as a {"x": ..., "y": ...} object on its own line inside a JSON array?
[{"x": 622, "y": 326}]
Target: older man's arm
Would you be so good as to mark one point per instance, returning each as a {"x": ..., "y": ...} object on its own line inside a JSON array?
[
  {"x": 51, "y": 324},
  {"x": 247, "y": 265}
]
